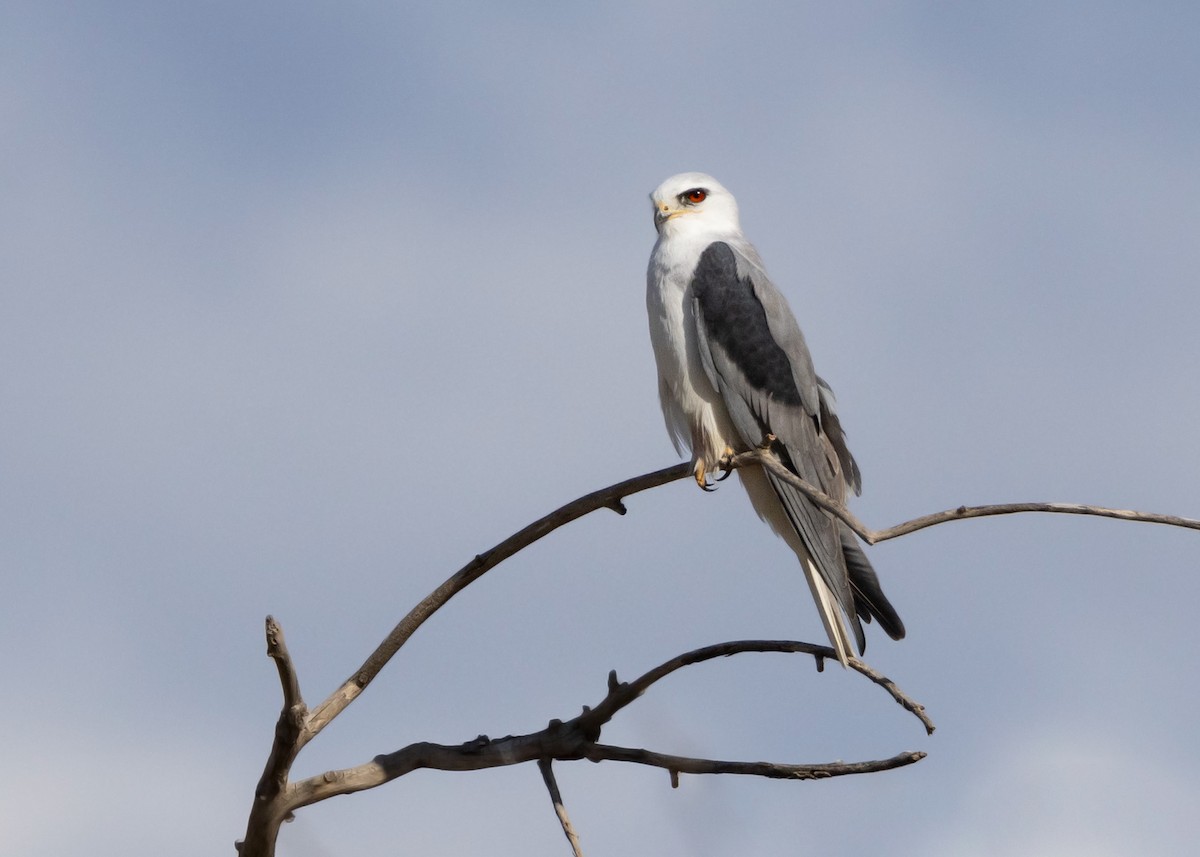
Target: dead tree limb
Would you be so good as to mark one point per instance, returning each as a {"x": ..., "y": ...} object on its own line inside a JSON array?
[
  {"x": 578, "y": 738},
  {"x": 772, "y": 770},
  {"x": 276, "y": 797},
  {"x": 605, "y": 498},
  {"x": 769, "y": 461}
]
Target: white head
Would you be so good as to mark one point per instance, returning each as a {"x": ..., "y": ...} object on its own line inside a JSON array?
[{"x": 694, "y": 204}]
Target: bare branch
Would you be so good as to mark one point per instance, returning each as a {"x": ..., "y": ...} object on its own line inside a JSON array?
[
  {"x": 555, "y": 742},
  {"x": 278, "y": 652},
  {"x": 908, "y": 703},
  {"x": 578, "y": 738},
  {"x": 770, "y": 462},
  {"x": 622, "y": 694},
  {"x": 269, "y": 810},
  {"x": 773, "y": 770},
  {"x": 563, "y": 742},
  {"x": 275, "y": 798},
  {"x": 610, "y": 498},
  {"x": 964, "y": 512},
  {"x": 605, "y": 498},
  {"x": 291, "y": 718},
  {"x": 546, "y": 766}
]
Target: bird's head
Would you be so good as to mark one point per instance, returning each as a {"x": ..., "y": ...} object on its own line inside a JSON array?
[{"x": 694, "y": 204}]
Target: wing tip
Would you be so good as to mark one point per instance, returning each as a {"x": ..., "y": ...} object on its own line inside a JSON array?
[{"x": 869, "y": 600}]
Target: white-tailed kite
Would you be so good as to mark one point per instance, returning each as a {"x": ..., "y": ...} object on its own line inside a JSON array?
[{"x": 732, "y": 370}]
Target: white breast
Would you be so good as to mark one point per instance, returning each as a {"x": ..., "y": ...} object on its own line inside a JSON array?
[{"x": 695, "y": 415}]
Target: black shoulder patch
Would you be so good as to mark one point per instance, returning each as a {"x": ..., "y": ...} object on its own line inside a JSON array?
[{"x": 734, "y": 318}]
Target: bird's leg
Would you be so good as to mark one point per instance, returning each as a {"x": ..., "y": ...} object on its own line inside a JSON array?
[
  {"x": 726, "y": 464},
  {"x": 701, "y": 474}
]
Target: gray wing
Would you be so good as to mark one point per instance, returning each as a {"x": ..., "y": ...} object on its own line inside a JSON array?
[
  {"x": 869, "y": 600},
  {"x": 756, "y": 358},
  {"x": 832, "y": 427}
]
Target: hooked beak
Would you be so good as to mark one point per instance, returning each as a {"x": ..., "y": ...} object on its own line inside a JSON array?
[{"x": 663, "y": 213}]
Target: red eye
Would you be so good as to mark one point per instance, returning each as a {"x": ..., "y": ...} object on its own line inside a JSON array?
[{"x": 696, "y": 195}]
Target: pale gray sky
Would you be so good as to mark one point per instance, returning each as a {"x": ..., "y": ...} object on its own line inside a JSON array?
[{"x": 305, "y": 306}]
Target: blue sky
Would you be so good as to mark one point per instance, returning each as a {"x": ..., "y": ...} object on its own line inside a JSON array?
[{"x": 304, "y": 307}]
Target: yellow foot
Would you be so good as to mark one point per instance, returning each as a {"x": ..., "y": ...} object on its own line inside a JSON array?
[
  {"x": 726, "y": 464},
  {"x": 701, "y": 474}
]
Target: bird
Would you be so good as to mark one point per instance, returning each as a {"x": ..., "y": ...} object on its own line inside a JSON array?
[{"x": 734, "y": 374}]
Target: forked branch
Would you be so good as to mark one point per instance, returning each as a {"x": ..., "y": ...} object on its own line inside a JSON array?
[
  {"x": 611, "y": 498},
  {"x": 578, "y": 738},
  {"x": 276, "y": 797}
]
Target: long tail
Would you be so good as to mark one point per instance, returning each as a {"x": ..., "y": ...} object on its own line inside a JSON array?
[
  {"x": 792, "y": 517},
  {"x": 827, "y": 607}
]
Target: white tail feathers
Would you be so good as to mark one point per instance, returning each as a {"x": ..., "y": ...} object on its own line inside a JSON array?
[
  {"x": 770, "y": 508},
  {"x": 831, "y": 614}
]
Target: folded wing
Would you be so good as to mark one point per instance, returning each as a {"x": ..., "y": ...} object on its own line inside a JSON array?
[{"x": 755, "y": 356}]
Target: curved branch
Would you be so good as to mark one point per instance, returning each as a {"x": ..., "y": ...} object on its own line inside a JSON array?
[
  {"x": 560, "y": 745},
  {"x": 621, "y": 694},
  {"x": 610, "y": 498},
  {"x": 770, "y": 462},
  {"x": 296, "y": 726},
  {"x": 277, "y": 651},
  {"x": 605, "y": 498},
  {"x": 962, "y": 513},
  {"x": 578, "y": 738},
  {"x": 268, "y": 812}
]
